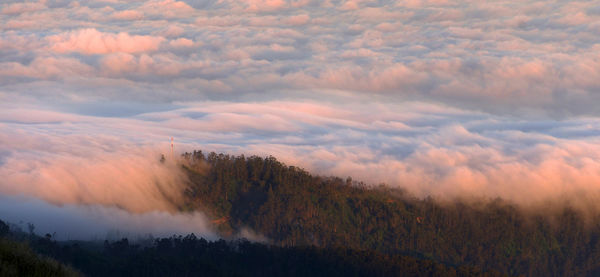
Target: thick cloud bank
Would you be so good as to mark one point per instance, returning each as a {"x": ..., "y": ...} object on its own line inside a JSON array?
[
  {"x": 428, "y": 149},
  {"x": 84, "y": 169},
  {"x": 85, "y": 186},
  {"x": 506, "y": 57}
]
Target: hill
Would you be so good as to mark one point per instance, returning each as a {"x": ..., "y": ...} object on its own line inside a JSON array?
[
  {"x": 291, "y": 207},
  {"x": 326, "y": 226}
]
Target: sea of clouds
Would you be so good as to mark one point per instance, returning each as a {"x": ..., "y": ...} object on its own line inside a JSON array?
[{"x": 445, "y": 98}]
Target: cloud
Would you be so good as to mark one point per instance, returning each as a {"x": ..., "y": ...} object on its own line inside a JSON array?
[
  {"x": 167, "y": 8},
  {"x": 92, "y": 185},
  {"x": 427, "y": 149},
  {"x": 265, "y": 5},
  {"x": 128, "y": 15},
  {"x": 92, "y": 41},
  {"x": 172, "y": 31},
  {"x": 442, "y": 97},
  {"x": 99, "y": 222},
  {"x": 19, "y": 8},
  {"x": 300, "y": 19},
  {"x": 482, "y": 56},
  {"x": 181, "y": 43},
  {"x": 34, "y": 116},
  {"x": 124, "y": 64},
  {"x": 46, "y": 68},
  {"x": 60, "y": 174}
]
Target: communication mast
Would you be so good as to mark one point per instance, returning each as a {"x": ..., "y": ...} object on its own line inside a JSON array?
[{"x": 172, "y": 155}]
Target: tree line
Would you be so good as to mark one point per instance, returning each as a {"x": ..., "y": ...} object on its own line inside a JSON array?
[{"x": 193, "y": 256}]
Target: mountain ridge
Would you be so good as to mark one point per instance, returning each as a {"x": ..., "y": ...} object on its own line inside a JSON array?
[{"x": 291, "y": 207}]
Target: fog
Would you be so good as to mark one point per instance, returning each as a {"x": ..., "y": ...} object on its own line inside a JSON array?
[{"x": 99, "y": 222}]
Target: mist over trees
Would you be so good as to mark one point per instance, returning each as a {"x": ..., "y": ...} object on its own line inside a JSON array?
[
  {"x": 306, "y": 225},
  {"x": 193, "y": 256}
]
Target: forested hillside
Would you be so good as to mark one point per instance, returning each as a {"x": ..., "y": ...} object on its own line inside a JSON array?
[
  {"x": 294, "y": 208},
  {"x": 192, "y": 256},
  {"x": 325, "y": 226}
]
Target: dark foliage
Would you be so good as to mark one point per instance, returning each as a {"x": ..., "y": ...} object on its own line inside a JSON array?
[
  {"x": 4, "y": 229},
  {"x": 293, "y": 208},
  {"x": 190, "y": 256},
  {"x": 17, "y": 259}
]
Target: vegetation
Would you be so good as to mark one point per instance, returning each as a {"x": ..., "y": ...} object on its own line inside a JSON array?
[
  {"x": 293, "y": 208},
  {"x": 192, "y": 256},
  {"x": 17, "y": 259}
]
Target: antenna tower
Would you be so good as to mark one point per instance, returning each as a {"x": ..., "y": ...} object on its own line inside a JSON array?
[{"x": 172, "y": 156}]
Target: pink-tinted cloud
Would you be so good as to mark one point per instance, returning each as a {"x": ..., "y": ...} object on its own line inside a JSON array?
[
  {"x": 298, "y": 20},
  {"x": 19, "y": 8},
  {"x": 167, "y": 8},
  {"x": 128, "y": 15},
  {"x": 46, "y": 68},
  {"x": 350, "y": 5},
  {"x": 123, "y": 64},
  {"x": 265, "y": 5},
  {"x": 92, "y": 41},
  {"x": 35, "y": 116},
  {"x": 101, "y": 175},
  {"x": 475, "y": 55},
  {"x": 171, "y": 31},
  {"x": 395, "y": 77},
  {"x": 219, "y": 21},
  {"x": 181, "y": 43}
]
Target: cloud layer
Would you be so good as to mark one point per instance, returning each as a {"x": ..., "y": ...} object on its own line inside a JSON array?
[
  {"x": 98, "y": 222},
  {"x": 521, "y": 58},
  {"x": 429, "y": 149}
]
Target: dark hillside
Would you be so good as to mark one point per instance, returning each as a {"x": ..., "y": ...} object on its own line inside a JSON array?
[
  {"x": 18, "y": 259},
  {"x": 192, "y": 256},
  {"x": 293, "y": 208}
]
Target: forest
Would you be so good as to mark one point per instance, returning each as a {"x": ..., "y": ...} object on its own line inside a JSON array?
[
  {"x": 193, "y": 256},
  {"x": 291, "y": 207}
]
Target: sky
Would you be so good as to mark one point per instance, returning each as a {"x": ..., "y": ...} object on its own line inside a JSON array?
[{"x": 442, "y": 98}]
